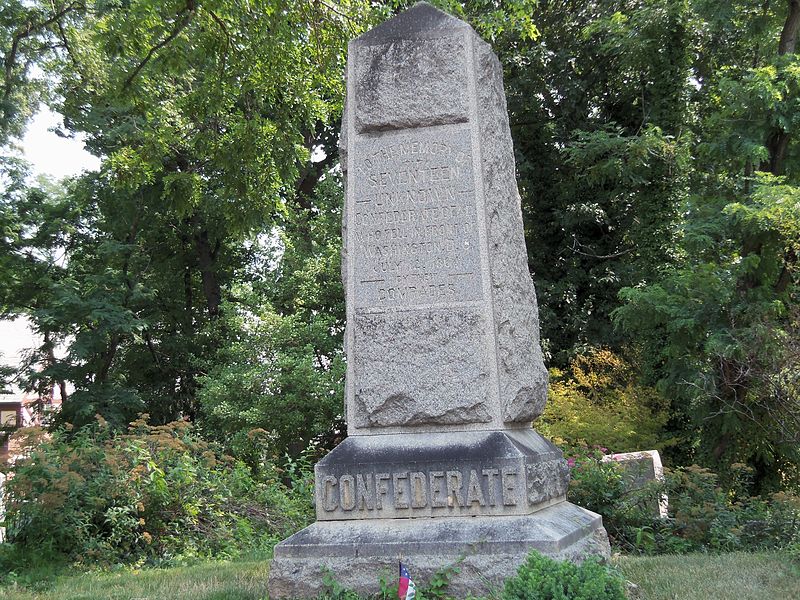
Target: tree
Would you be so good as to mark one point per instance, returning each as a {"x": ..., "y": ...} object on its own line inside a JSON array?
[
  {"x": 206, "y": 116},
  {"x": 717, "y": 326},
  {"x": 598, "y": 107}
]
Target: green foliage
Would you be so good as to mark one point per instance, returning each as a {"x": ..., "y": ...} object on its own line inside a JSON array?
[
  {"x": 215, "y": 122},
  {"x": 717, "y": 326},
  {"x": 152, "y": 495},
  {"x": 542, "y": 578},
  {"x": 710, "y": 517},
  {"x": 435, "y": 589},
  {"x": 599, "y": 402},
  {"x": 602, "y": 154},
  {"x": 284, "y": 372},
  {"x": 703, "y": 514},
  {"x": 196, "y": 273},
  {"x": 720, "y": 336},
  {"x": 271, "y": 391}
]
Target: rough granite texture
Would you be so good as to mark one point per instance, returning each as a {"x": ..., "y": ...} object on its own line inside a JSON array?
[
  {"x": 486, "y": 550},
  {"x": 480, "y": 461},
  {"x": 638, "y": 470},
  {"x": 523, "y": 376},
  {"x": 546, "y": 480},
  {"x": 409, "y": 83},
  {"x": 445, "y": 372},
  {"x": 450, "y": 389}
]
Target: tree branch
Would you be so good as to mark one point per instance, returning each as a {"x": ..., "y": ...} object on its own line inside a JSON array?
[
  {"x": 576, "y": 250},
  {"x": 788, "y": 40},
  {"x": 184, "y": 17},
  {"x": 224, "y": 29},
  {"x": 10, "y": 59}
]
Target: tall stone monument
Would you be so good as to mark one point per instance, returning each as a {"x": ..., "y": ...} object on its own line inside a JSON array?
[{"x": 445, "y": 372}]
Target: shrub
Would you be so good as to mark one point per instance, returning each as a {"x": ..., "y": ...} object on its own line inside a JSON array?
[
  {"x": 708, "y": 516},
  {"x": 599, "y": 486},
  {"x": 703, "y": 515},
  {"x": 599, "y": 402},
  {"x": 151, "y": 495},
  {"x": 542, "y": 578}
]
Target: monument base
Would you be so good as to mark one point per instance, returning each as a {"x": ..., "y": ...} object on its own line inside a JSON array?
[{"x": 486, "y": 550}]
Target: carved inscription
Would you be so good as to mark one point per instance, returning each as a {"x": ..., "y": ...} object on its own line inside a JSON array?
[
  {"x": 414, "y": 221},
  {"x": 451, "y": 490}
]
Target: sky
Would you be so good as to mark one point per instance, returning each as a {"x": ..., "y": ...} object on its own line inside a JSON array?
[
  {"x": 58, "y": 157},
  {"x": 53, "y": 155}
]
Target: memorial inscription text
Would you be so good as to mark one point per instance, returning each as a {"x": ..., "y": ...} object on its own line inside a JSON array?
[{"x": 414, "y": 220}]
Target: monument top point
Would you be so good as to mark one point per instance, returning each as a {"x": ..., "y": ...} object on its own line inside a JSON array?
[{"x": 417, "y": 21}]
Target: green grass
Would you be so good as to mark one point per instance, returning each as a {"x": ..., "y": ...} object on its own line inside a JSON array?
[
  {"x": 737, "y": 576},
  {"x": 734, "y": 576},
  {"x": 241, "y": 580}
]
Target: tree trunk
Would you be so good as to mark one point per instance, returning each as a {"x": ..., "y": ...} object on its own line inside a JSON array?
[
  {"x": 788, "y": 39},
  {"x": 777, "y": 144},
  {"x": 207, "y": 261},
  {"x": 777, "y": 141}
]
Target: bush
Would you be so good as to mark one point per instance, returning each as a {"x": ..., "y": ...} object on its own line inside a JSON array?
[
  {"x": 599, "y": 402},
  {"x": 599, "y": 486},
  {"x": 152, "y": 495},
  {"x": 708, "y": 516},
  {"x": 703, "y": 515},
  {"x": 542, "y": 578}
]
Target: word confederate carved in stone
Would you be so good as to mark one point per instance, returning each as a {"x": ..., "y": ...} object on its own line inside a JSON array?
[{"x": 419, "y": 490}]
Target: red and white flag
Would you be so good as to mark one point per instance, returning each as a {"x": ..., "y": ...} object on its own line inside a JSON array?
[{"x": 406, "y": 590}]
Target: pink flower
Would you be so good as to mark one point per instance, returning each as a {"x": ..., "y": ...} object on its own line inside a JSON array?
[{"x": 571, "y": 462}]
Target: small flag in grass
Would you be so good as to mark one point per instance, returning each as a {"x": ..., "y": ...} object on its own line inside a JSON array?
[{"x": 406, "y": 590}]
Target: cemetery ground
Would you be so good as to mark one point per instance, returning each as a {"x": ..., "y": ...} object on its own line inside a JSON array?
[{"x": 697, "y": 576}]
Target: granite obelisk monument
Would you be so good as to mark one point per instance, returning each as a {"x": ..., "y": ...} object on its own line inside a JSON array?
[{"x": 445, "y": 372}]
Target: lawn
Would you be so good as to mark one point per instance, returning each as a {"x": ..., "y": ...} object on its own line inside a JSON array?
[
  {"x": 734, "y": 576},
  {"x": 244, "y": 580},
  {"x": 737, "y": 576}
]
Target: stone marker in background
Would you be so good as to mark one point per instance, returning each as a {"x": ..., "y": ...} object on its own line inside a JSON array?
[
  {"x": 639, "y": 469},
  {"x": 445, "y": 373}
]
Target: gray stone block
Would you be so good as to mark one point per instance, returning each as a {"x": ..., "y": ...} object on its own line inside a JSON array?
[
  {"x": 433, "y": 225},
  {"x": 445, "y": 372},
  {"x": 639, "y": 469},
  {"x": 405, "y": 83},
  {"x": 444, "y": 351},
  {"x": 440, "y": 475},
  {"x": 522, "y": 374},
  {"x": 487, "y": 550}
]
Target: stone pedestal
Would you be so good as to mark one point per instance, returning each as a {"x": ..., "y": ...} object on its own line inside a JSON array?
[
  {"x": 486, "y": 550},
  {"x": 445, "y": 372}
]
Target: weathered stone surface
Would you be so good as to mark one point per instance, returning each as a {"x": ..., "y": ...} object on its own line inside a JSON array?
[
  {"x": 414, "y": 220},
  {"x": 445, "y": 475},
  {"x": 409, "y": 83},
  {"x": 433, "y": 223},
  {"x": 523, "y": 376},
  {"x": 444, "y": 351},
  {"x": 639, "y": 469},
  {"x": 487, "y": 550},
  {"x": 546, "y": 480}
]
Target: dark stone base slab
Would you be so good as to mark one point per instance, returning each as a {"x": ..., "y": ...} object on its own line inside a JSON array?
[
  {"x": 422, "y": 475},
  {"x": 487, "y": 550}
]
